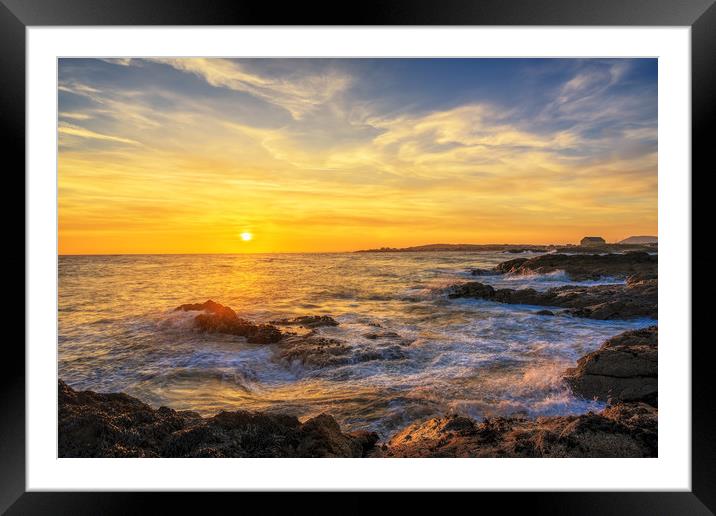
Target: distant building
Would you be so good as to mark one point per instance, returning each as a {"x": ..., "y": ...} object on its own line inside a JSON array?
[{"x": 593, "y": 241}]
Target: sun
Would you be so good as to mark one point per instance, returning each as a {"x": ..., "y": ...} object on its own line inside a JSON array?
[{"x": 246, "y": 236}]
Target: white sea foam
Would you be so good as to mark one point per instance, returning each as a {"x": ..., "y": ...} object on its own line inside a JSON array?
[{"x": 544, "y": 281}]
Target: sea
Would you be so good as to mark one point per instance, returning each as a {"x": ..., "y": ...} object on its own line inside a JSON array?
[{"x": 119, "y": 332}]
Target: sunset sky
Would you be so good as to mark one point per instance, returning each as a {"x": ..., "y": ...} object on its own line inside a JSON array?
[{"x": 293, "y": 155}]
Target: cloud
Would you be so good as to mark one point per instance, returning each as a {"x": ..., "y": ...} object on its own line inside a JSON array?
[
  {"x": 75, "y": 116},
  {"x": 299, "y": 93},
  {"x": 74, "y": 130},
  {"x": 122, "y": 61}
]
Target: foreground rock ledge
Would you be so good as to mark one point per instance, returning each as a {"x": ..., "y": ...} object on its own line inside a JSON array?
[
  {"x": 118, "y": 425},
  {"x": 624, "y": 368},
  {"x": 623, "y": 430}
]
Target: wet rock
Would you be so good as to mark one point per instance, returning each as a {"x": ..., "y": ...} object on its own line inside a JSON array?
[
  {"x": 383, "y": 353},
  {"x": 472, "y": 289},
  {"x": 544, "y": 312},
  {"x": 217, "y": 318},
  {"x": 624, "y": 430},
  {"x": 609, "y": 302},
  {"x": 640, "y": 278},
  {"x": 263, "y": 334},
  {"x": 605, "y": 302},
  {"x": 581, "y": 267},
  {"x": 366, "y": 439},
  {"x": 323, "y": 352},
  {"x": 624, "y": 368},
  {"x": 314, "y": 351},
  {"x": 510, "y": 265},
  {"x": 118, "y": 425},
  {"x": 389, "y": 335},
  {"x": 308, "y": 321},
  {"x": 482, "y": 272},
  {"x": 382, "y": 335}
]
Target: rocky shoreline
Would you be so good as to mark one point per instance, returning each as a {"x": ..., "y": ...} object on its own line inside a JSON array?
[
  {"x": 622, "y": 372},
  {"x": 605, "y": 302},
  {"x": 621, "y": 430},
  {"x": 118, "y": 425},
  {"x": 582, "y": 267},
  {"x": 637, "y": 297}
]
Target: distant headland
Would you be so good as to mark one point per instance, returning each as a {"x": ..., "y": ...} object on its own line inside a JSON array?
[
  {"x": 641, "y": 239},
  {"x": 587, "y": 244}
]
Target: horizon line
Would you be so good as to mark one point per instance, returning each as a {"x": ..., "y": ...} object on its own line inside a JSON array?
[{"x": 376, "y": 249}]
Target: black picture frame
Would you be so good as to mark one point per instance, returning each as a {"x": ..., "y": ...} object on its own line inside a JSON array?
[{"x": 17, "y": 15}]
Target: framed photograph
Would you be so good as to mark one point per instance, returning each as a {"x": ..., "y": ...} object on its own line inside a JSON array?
[{"x": 419, "y": 248}]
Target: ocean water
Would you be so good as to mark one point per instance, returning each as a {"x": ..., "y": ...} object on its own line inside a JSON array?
[{"x": 118, "y": 333}]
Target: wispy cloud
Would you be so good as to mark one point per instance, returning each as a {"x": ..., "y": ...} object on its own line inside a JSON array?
[
  {"x": 300, "y": 93},
  {"x": 74, "y": 130},
  {"x": 75, "y": 116}
]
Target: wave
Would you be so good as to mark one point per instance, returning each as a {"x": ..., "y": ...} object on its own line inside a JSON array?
[
  {"x": 543, "y": 281},
  {"x": 538, "y": 391},
  {"x": 558, "y": 276},
  {"x": 177, "y": 319}
]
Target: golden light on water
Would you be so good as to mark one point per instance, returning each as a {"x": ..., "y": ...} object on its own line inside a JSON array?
[{"x": 246, "y": 236}]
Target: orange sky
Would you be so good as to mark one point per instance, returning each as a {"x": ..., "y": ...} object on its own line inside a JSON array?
[{"x": 182, "y": 156}]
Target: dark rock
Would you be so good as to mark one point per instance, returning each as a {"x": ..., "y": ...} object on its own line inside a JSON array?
[
  {"x": 308, "y": 321},
  {"x": 472, "y": 289},
  {"x": 217, "y": 318},
  {"x": 314, "y": 351},
  {"x": 483, "y": 272},
  {"x": 390, "y": 336},
  {"x": 367, "y": 440},
  {"x": 264, "y": 334},
  {"x": 624, "y": 368},
  {"x": 583, "y": 267},
  {"x": 544, "y": 312},
  {"x": 207, "y": 306},
  {"x": 636, "y": 299},
  {"x": 383, "y": 353},
  {"x": 510, "y": 265},
  {"x": 623, "y": 430},
  {"x": 322, "y": 352},
  {"x": 118, "y": 425},
  {"x": 382, "y": 335}
]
